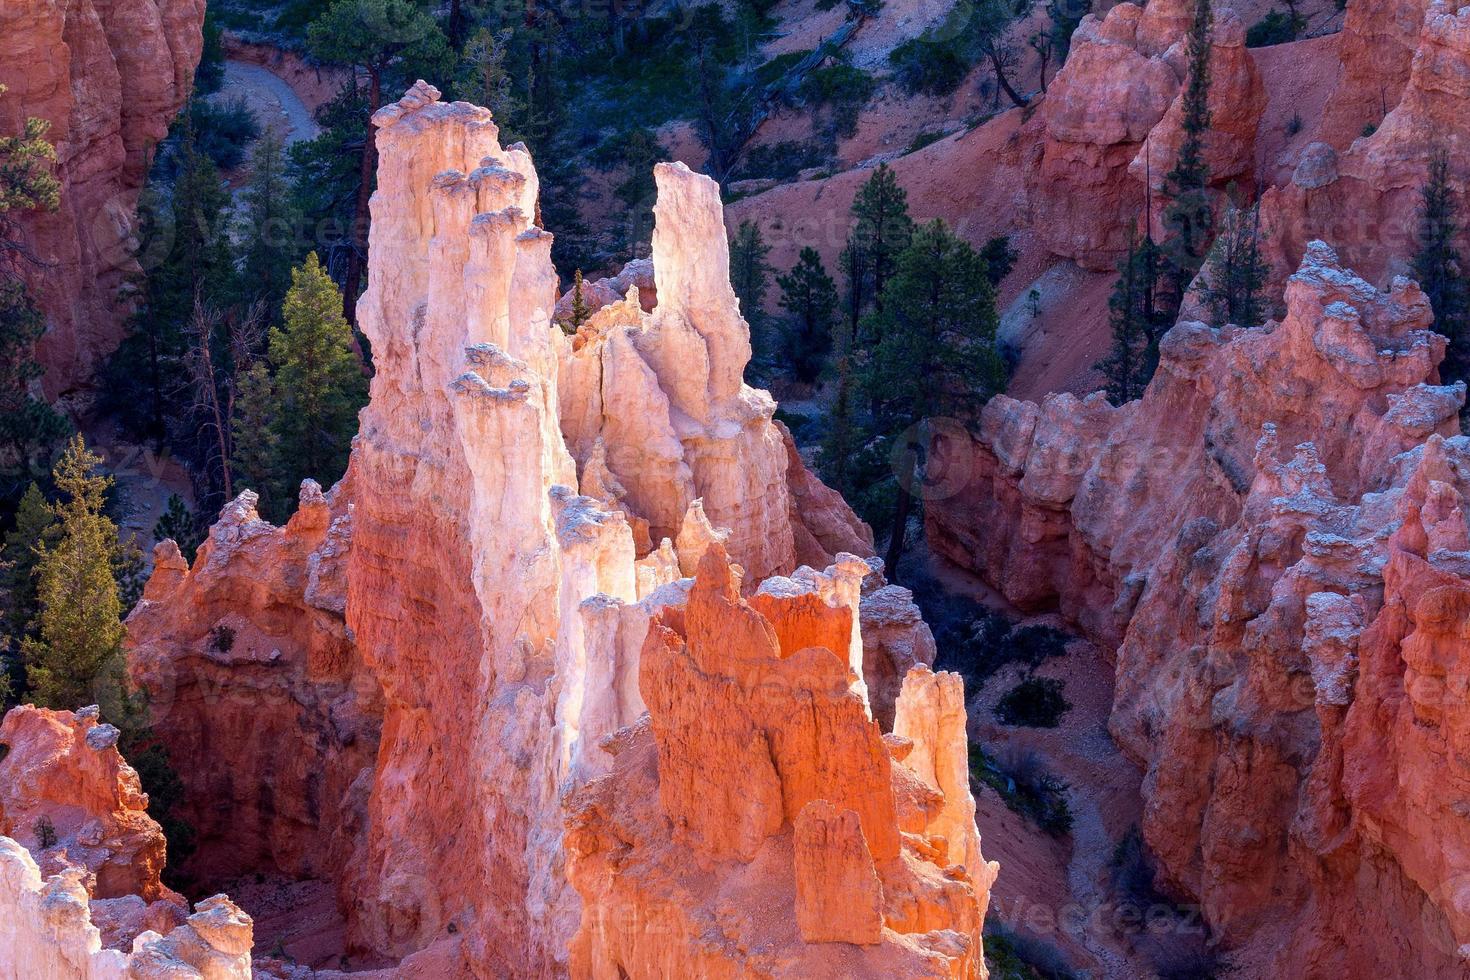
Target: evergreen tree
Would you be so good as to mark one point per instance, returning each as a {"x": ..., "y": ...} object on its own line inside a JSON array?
[
  {"x": 26, "y": 180},
  {"x": 881, "y": 230},
  {"x": 1440, "y": 268},
  {"x": 843, "y": 438},
  {"x": 1137, "y": 323},
  {"x": 1235, "y": 272},
  {"x": 319, "y": 381},
  {"x": 750, "y": 277},
  {"x": 29, "y": 427},
  {"x": 384, "y": 42},
  {"x": 809, "y": 297},
  {"x": 78, "y": 631},
  {"x": 181, "y": 526},
  {"x": 935, "y": 355},
  {"x": 256, "y": 444},
  {"x": 268, "y": 227},
  {"x": 999, "y": 258},
  {"x": 1189, "y": 218},
  {"x": 18, "y": 558},
  {"x": 580, "y": 311}
]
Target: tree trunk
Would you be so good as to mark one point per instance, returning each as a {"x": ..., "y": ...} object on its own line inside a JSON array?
[
  {"x": 901, "y": 514},
  {"x": 1003, "y": 82},
  {"x": 357, "y": 257},
  {"x": 456, "y": 24}
]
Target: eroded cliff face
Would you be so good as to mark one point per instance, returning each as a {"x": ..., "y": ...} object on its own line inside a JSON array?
[
  {"x": 401, "y": 688},
  {"x": 1362, "y": 192},
  {"x": 109, "y": 77},
  {"x": 80, "y": 859},
  {"x": 1273, "y": 541},
  {"x": 1112, "y": 122}
]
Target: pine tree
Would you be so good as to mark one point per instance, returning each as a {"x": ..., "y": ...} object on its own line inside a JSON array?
[
  {"x": 26, "y": 180},
  {"x": 79, "y": 632},
  {"x": 580, "y": 311},
  {"x": 881, "y": 231},
  {"x": 18, "y": 557},
  {"x": 318, "y": 379},
  {"x": 1137, "y": 323},
  {"x": 29, "y": 427},
  {"x": 842, "y": 439},
  {"x": 1440, "y": 268},
  {"x": 750, "y": 277},
  {"x": 935, "y": 355},
  {"x": 1189, "y": 218},
  {"x": 809, "y": 297},
  {"x": 256, "y": 460},
  {"x": 268, "y": 227},
  {"x": 180, "y": 526},
  {"x": 1235, "y": 272}
]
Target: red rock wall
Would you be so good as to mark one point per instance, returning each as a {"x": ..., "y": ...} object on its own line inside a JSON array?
[
  {"x": 1262, "y": 602},
  {"x": 109, "y": 77}
]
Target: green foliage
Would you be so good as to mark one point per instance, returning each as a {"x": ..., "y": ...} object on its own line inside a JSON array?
[
  {"x": 881, "y": 230},
  {"x": 842, "y": 89},
  {"x": 1036, "y": 702},
  {"x": 318, "y": 379},
  {"x": 999, "y": 258},
  {"x": 29, "y": 428},
  {"x": 809, "y": 297},
  {"x": 579, "y": 312},
  {"x": 485, "y": 78},
  {"x": 1025, "y": 786},
  {"x": 929, "y": 66},
  {"x": 26, "y": 180},
  {"x": 1235, "y": 272},
  {"x": 1013, "y": 956},
  {"x": 255, "y": 441},
  {"x": 1440, "y": 267},
  {"x": 45, "y": 833},
  {"x": 773, "y": 70},
  {"x": 1189, "y": 216},
  {"x": 633, "y": 151},
  {"x": 78, "y": 631},
  {"x": 1137, "y": 322},
  {"x": 210, "y": 74},
  {"x": 1277, "y": 27},
  {"x": 376, "y": 35},
  {"x": 924, "y": 139},
  {"x": 750, "y": 275},
  {"x": 782, "y": 160},
  {"x": 180, "y": 525},
  {"x": 21, "y": 552},
  {"x": 267, "y": 231},
  {"x": 222, "y": 132}
]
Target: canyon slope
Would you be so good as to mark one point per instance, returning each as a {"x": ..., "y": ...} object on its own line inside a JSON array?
[
  {"x": 1273, "y": 541},
  {"x": 109, "y": 78},
  {"x": 491, "y": 684}
]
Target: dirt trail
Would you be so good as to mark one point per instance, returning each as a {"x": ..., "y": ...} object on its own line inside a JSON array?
[{"x": 274, "y": 103}]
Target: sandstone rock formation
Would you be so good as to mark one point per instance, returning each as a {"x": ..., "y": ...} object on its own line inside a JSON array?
[
  {"x": 399, "y": 689},
  {"x": 1273, "y": 541},
  {"x": 1112, "y": 119},
  {"x": 80, "y": 859},
  {"x": 758, "y": 823},
  {"x": 1366, "y": 203},
  {"x": 109, "y": 77}
]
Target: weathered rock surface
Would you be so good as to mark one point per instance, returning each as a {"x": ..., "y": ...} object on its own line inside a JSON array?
[
  {"x": 109, "y": 77},
  {"x": 80, "y": 859},
  {"x": 758, "y": 823},
  {"x": 422, "y": 665},
  {"x": 1112, "y": 119},
  {"x": 1273, "y": 541},
  {"x": 1367, "y": 203}
]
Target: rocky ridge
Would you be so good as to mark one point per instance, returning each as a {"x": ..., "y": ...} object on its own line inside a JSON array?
[{"x": 1272, "y": 540}]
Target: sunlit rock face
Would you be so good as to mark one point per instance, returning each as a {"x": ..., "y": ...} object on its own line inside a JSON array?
[
  {"x": 1112, "y": 123},
  {"x": 1274, "y": 543},
  {"x": 759, "y": 824},
  {"x": 80, "y": 859},
  {"x": 109, "y": 77},
  {"x": 449, "y": 647}
]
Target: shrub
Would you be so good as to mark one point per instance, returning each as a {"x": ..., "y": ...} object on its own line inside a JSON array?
[
  {"x": 1191, "y": 963},
  {"x": 1036, "y": 702},
  {"x": 221, "y": 639},
  {"x": 45, "y": 833},
  {"x": 923, "y": 139},
  {"x": 1275, "y": 28},
  {"x": 928, "y": 67},
  {"x": 222, "y": 132},
  {"x": 1294, "y": 125},
  {"x": 773, "y": 70},
  {"x": 783, "y": 160},
  {"x": 1013, "y": 956},
  {"x": 843, "y": 89},
  {"x": 1025, "y": 785},
  {"x": 1031, "y": 645}
]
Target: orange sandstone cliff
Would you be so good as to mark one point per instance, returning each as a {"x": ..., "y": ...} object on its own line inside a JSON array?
[
  {"x": 109, "y": 77},
  {"x": 412, "y": 687},
  {"x": 1273, "y": 542}
]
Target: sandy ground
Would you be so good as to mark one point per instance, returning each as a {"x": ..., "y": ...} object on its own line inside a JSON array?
[{"x": 272, "y": 101}]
